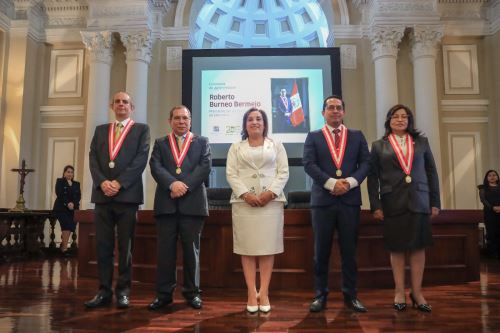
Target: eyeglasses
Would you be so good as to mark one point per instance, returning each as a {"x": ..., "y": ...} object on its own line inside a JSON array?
[
  {"x": 335, "y": 107},
  {"x": 397, "y": 116},
  {"x": 180, "y": 118},
  {"x": 124, "y": 101}
]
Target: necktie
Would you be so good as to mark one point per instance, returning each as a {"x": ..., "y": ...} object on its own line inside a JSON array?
[
  {"x": 118, "y": 131},
  {"x": 336, "y": 133},
  {"x": 180, "y": 140}
]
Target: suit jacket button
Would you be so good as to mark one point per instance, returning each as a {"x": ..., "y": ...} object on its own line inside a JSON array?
[{"x": 254, "y": 175}]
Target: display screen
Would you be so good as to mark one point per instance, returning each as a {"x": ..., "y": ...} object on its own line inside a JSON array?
[{"x": 219, "y": 86}]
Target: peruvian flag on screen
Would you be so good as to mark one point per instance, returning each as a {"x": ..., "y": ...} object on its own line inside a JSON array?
[{"x": 297, "y": 116}]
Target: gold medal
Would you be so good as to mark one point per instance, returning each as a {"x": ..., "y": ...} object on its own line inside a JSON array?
[
  {"x": 111, "y": 164},
  {"x": 338, "y": 173},
  {"x": 408, "y": 179},
  {"x": 178, "y": 171}
]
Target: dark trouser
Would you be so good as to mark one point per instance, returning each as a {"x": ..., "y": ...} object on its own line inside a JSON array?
[
  {"x": 124, "y": 217},
  {"x": 169, "y": 228},
  {"x": 324, "y": 221},
  {"x": 492, "y": 223}
]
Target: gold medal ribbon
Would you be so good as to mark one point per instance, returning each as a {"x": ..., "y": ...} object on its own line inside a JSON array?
[
  {"x": 337, "y": 154},
  {"x": 114, "y": 146},
  {"x": 179, "y": 156},
  {"x": 406, "y": 162}
]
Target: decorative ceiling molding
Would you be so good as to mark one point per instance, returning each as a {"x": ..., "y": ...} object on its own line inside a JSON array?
[
  {"x": 494, "y": 16},
  {"x": 7, "y": 8},
  {"x": 175, "y": 33},
  {"x": 60, "y": 20},
  {"x": 131, "y": 14},
  {"x": 162, "y": 5},
  {"x": 66, "y": 12}
]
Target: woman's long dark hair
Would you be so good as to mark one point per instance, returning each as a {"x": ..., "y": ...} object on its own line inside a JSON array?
[
  {"x": 411, "y": 121},
  {"x": 69, "y": 167},
  {"x": 244, "y": 132},
  {"x": 485, "y": 181}
]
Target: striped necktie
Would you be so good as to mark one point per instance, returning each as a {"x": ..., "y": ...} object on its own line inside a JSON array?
[{"x": 336, "y": 133}]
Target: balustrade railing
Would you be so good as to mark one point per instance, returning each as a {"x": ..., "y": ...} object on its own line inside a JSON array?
[{"x": 23, "y": 234}]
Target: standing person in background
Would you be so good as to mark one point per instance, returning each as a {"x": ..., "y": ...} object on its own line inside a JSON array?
[
  {"x": 489, "y": 193},
  {"x": 118, "y": 155},
  {"x": 337, "y": 159},
  {"x": 404, "y": 193},
  {"x": 180, "y": 165},
  {"x": 67, "y": 201},
  {"x": 257, "y": 171}
]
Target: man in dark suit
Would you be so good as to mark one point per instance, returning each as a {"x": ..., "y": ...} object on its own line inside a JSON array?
[
  {"x": 180, "y": 164},
  {"x": 118, "y": 155},
  {"x": 335, "y": 199},
  {"x": 281, "y": 119}
]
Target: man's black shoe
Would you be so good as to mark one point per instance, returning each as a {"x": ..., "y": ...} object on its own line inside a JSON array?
[
  {"x": 159, "y": 303},
  {"x": 122, "y": 301},
  {"x": 355, "y": 305},
  {"x": 98, "y": 300},
  {"x": 195, "y": 302},
  {"x": 318, "y": 304}
]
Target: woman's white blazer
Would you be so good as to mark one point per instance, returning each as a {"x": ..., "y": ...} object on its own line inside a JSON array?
[{"x": 243, "y": 175}]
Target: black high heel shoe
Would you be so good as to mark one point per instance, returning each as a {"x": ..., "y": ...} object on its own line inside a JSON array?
[
  {"x": 420, "y": 307},
  {"x": 399, "y": 306}
]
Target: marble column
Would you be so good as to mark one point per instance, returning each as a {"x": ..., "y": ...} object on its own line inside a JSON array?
[
  {"x": 138, "y": 55},
  {"x": 100, "y": 48},
  {"x": 424, "y": 41},
  {"x": 385, "y": 40}
]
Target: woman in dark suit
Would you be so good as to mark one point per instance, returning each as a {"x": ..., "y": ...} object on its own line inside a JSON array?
[
  {"x": 404, "y": 193},
  {"x": 489, "y": 193},
  {"x": 68, "y": 199}
]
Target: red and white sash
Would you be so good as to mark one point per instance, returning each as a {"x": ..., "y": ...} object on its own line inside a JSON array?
[
  {"x": 406, "y": 162},
  {"x": 179, "y": 156},
  {"x": 337, "y": 154},
  {"x": 114, "y": 147}
]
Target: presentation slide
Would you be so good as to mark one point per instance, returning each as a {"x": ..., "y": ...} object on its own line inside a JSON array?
[
  {"x": 287, "y": 96},
  {"x": 220, "y": 85}
]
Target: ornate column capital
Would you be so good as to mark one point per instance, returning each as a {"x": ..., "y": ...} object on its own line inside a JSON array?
[
  {"x": 100, "y": 45},
  {"x": 424, "y": 41},
  {"x": 138, "y": 45},
  {"x": 385, "y": 40}
]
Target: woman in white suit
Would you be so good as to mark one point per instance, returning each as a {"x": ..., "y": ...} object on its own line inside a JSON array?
[{"x": 257, "y": 171}]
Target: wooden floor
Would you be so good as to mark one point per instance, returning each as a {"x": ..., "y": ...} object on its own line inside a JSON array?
[{"x": 47, "y": 296}]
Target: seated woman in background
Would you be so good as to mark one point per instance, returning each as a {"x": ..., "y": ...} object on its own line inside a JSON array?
[
  {"x": 489, "y": 192},
  {"x": 68, "y": 199}
]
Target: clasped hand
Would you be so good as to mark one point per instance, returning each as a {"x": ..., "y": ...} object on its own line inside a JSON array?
[
  {"x": 110, "y": 187},
  {"x": 178, "y": 189},
  {"x": 258, "y": 201},
  {"x": 342, "y": 186}
]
